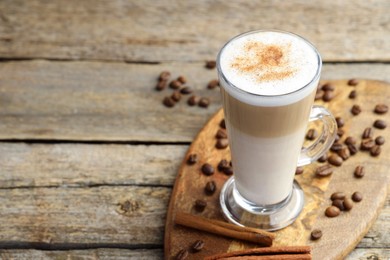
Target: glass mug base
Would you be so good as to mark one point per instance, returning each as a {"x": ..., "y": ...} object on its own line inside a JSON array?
[{"x": 241, "y": 212}]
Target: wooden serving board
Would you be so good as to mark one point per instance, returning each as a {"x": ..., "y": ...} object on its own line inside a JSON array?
[{"x": 340, "y": 234}]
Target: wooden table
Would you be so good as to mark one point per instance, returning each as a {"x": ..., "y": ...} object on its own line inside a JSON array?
[{"x": 89, "y": 154}]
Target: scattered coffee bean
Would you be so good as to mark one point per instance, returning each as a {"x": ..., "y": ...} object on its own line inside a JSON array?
[
  {"x": 357, "y": 196},
  {"x": 359, "y": 171},
  {"x": 380, "y": 140},
  {"x": 353, "y": 82},
  {"x": 168, "y": 102},
  {"x": 348, "y": 204},
  {"x": 332, "y": 211},
  {"x": 176, "y": 96},
  {"x": 367, "y": 144},
  {"x": 355, "y": 110},
  {"x": 200, "y": 205},
  {"x": 324, "y": 170},
  {"x": 367, "y": 133},
  {"x": 207, "y": 169},
  {"x": 375, "y": 150},
  {"x": 315, "y": 234},
  {"x": 328, "y": 96},
  {"x": 204, "y": 102},
  {"x": 352, "y": 94},
  {"x": 222, "y": 143},
  {"x": 336, "y": 147},
  {"x": 340, "y": 132},
  {"x": 311, "y": 134},
  {"x": 213, "y": 84},
  {"x": 182, "y": 79},
  {"x": 344, "y": 153},
  {"x": 339, "y": 204},
  {"x": 198, "y": 245},
  {"x": 164, "y": 76},
  {"x": 162, "y": 84},
  {"x": 192, "y": 159},
  {"x": 210, "y": 64},
  {"x": 352, "y": 149},
  {"x": 222, "y": 165},
  {"x": 186, "y": 90},
  {"x": 319, "y": 94},
  {"x": 335, "y": 160},
  {"x": 175, "y": 84},
  {"x": 221, "y": 133},
  {"x": 222, "y": 124},
  {"x": 192, "y": 101},
  {"x": 380, "y": 124},
  {"x": 350, "y": 140},
  {"x": 340, "y": 122},
  {"x": 298, "y": 170},
  {"x": 228, "y": 170},
  {"x": 210, "y": 187},
  {"x": 327, "y": 87},
  {"x": 337, "y": 195},
  {"x": 182, "y": 254},
  {"x": 381, "y": 109},
  {"x": 323, "y": 158}
]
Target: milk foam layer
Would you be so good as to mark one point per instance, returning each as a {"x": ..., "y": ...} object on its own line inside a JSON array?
[{"x": 269, "y": 64}]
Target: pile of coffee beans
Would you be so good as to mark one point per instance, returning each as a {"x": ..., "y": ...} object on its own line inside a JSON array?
[
  {"x": 340, "y": 202},
  {"x": 221, "y": 136}
]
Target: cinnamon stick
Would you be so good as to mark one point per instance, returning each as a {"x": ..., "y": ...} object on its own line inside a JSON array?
[{"x": 253, "y": 235}]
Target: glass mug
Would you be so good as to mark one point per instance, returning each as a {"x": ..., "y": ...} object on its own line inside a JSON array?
[{"x": 268, "y": 83}]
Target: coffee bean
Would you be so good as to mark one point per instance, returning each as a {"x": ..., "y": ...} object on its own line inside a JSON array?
[
  {"x": 210, "y": 187},
  {"x": 335, "y": 160},
  {"x": 352, "y": 149},
  {"x": 222, "y": 165},
  {"x": 324, "y": 170},
  {"x": 298, "y": 170},
  {"x": 221, "y": 133},
  {"x": 213, "y": 84},
  {"x": 175, "y": 84},
  {"x": 222, "y": 124},
  {"x": 315, "y": 234},
  {"x": 176, "y": 96},
  {"x": 162, "y": 84},
  {"x": 339, "y": 204},
  {"x": 198, "y": 245},
  {"x": 328, "y": 96},
  {"x": 168, "y": 102},
  {"x": 228, "y": 170},
  {"x": 200, "y": 205},
  {"x": 348, "y": 204},
  {"x": 204, "y": 102},
  {"x": 182, "y": 79},
  {"x": 332, "y": 211},
  {"x": 222, "y": 143},
  {"x": 340, "y": 132},
  {"x": 381, "y": 109},
  {"x": 380, "y": 140},
  {"x": 207, "y": 169},
  {"x": 337, "y": 195},
  {"x": 210, "y": 64},
  {"x": 375, "y": 150},
  {"x": 340, "y": 122},
  {"x": 192, "y": 101},
  {"x": 323, "y": 158},
  {"x": 367, "y": 144},
  {"x": 350, "y": 140},
  {"x": 367, "y": 133},
  {"x": 327, "y": 87},
  {"x": 359, "y": 171},
  {"x": 352, "y": 94},
  {"x": 311, "y": 134},
  {"x": 353, "y": 82},
  {"x": 319, "y": 94},
  {"x": 357, "y": 196},
  {"x": 164, "y": 76},
  {"x": 182, "y": 254},
  {"x": 355, "y": 110},
  {"x": 380, "y": 124},
  {"x": 186, "y": 90},
  {"x": 336, "y": 147},
  {"x": 192, "y": 159},
  {"x": 344, "y": 153}
]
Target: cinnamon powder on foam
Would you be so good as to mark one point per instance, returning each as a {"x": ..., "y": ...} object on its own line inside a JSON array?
[{"x": 265, "y": 62}]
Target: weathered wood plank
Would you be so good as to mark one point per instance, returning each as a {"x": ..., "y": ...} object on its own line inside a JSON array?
[
  {"x": 65, "y": 218},
  {"x": 100, "y": 253},
  {"x": 114, "y": 101},
  {"x": 166, "y": 30}
]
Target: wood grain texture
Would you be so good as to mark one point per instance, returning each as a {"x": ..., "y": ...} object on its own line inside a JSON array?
[
  {"x": 185, "y": 30},
  {"x": 94, "y": 101}
]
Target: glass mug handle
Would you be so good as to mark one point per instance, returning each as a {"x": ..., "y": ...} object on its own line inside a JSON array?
[{"x": 324, "y": 142}]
